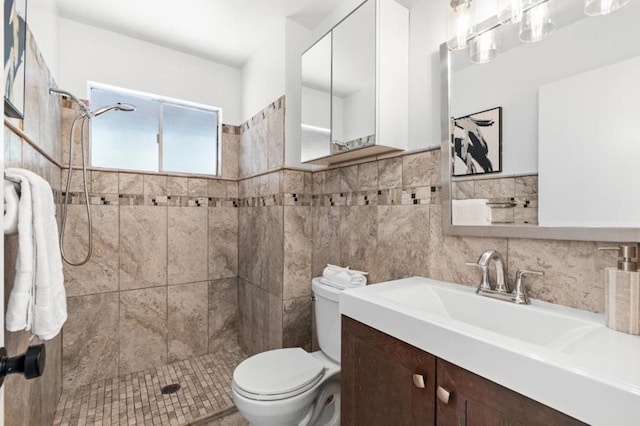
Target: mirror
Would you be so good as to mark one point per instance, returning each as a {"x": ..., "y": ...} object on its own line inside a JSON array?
[
  {"x": 316, "y": 100},
  {"x": 354, "y": 80},
  {"x": 574, "y": 90}
]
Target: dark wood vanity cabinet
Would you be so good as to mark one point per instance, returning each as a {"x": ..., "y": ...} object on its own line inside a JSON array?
[
  {"x": 377, "y": 376},
  {"x": 378, "y": 388}
]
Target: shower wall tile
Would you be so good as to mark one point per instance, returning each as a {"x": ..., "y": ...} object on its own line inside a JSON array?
[
  {"x": 198, "y": 187},
  {"x": 104, "y": 182},
  {"x": 77, "y": 181},
  {"x": 526, "y": 186},
  {"x": 403, "y": 242},
  {"x": 326, "y": 238},
  {"x": 90, "y": 344},
  {"x": 275, "y": 322},
  {"x": 223, "y": 313},
  {"x": 495, "y": 188},
  {"x": 232, "y": 189},
  {"x": 258, "y": 251},
  {"x": 223, "y": 242},
  {"x": 296, "y": 323},
  {"x": 275, "y": 139},
  {"x": 177, "y": 185},
  {"x": 67, "y": 116},
  {"x": 245, "y": 332},
  {"x": 155, "y": 185},
  {"x": 573, "y": 271},
  {"x": 448, "y": 254},
  {"x": 293, "y": 182},
  {"x": 275, "y": 250},
  {"x": 142, "y": 329},
  {"x": 12, "y": 149},
  {"x": 245, "y": 243},
  {"x": 358, "y": 238},
  {"x": 332, "y": 182},
  {"x": 187, "y": 241},
  {"x": 143, "y": 247},
  {"x": 187, "y": 320},
  {"x": 259, "y": 147},
  {"x": 419, "y": 169},
  {"x": 51, "y": 382},
  {"x": 318, "y": 182},
  {"x": 349, "y": 179},
  {"x": 100, "y": 274},
  {"x": 297, "y": 252},
  {"x": 368, "y": 176},
  {"x": 217, "y": 188},
  {"x": 245, "y": 152},
  {"x": 230, "y": 155},
  {"x": 130, "y": 183}
]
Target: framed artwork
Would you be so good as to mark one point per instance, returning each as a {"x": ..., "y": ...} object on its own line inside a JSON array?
[
  {"x": 476, "y": 143},
  {"x": 15, "y": 43}
]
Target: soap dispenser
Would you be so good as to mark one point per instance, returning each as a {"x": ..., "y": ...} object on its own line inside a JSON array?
[{"x": 622, "y": 291}]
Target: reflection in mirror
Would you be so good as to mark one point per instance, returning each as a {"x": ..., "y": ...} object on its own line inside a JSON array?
[
  {"x": 354, "y": 80},
  {"x": 543, "y": 106},
  {"x": 316, "y": 100}
]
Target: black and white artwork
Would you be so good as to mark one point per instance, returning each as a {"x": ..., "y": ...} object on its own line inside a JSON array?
[
  {"x": 477, "y": 143},
  {"x": 15, "y": 37}
]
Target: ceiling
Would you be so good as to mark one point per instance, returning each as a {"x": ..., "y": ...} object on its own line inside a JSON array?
[{"x": 224, "y": 31}]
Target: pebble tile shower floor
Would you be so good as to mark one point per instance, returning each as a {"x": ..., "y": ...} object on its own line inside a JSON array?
[{"x": 137, "y": 399}]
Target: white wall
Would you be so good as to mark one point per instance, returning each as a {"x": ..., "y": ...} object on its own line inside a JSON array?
[
  {"x": 42, "y": 18},
  {"x": 263, "y": 76},
  {"x": 88, "y": 53}
]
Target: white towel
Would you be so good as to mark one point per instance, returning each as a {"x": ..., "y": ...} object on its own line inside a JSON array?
[
  {"x": 11, "y": 200},
  {"x": 37, "y": 301},
  {"x": 343, "y": 278},
  {"x": 471, "y": 212}
]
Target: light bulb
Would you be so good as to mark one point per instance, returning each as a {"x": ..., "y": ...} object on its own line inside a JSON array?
[
  {"x": 537, "y": 22},
  {"x": 484, "y": 47},
  {"x": 460, "y": 24},
  {"x": 602, "y": 7},
  {"x": 510, "y": 11}
]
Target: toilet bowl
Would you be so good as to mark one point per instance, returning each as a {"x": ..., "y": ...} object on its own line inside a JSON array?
[{"x": 290, "y": 386}]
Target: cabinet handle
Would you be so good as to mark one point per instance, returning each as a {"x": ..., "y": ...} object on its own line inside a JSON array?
[
  {"x": 443, "y": 394},
  {"x": 419, "y": 381}
]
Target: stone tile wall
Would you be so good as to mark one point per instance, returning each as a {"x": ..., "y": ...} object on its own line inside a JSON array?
[
  {"x": 162, "y": 277},
  {"x": 385, "y": 217},
  {"x": 33, "y": 402},
  {"x": 274, "y": 239}
]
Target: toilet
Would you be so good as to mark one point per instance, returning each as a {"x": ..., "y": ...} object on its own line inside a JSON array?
[{"x": 291, "y": 386}]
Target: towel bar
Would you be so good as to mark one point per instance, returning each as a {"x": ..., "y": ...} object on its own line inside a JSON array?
[{"x": 10, "y": 179}]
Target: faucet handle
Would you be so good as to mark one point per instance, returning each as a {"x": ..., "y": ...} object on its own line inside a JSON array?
[
  {"x": 520, "y": 292},
  {"x": 484, "y": 282}
]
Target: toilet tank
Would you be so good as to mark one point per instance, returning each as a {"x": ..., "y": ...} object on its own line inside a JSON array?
[{"x": 327, "y": 317}]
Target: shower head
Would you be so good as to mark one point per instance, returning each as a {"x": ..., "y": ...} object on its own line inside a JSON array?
[{"x": 118, "y": 106}]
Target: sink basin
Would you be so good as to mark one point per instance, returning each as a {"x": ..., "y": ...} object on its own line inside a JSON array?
[{"x": 538, "y": 324}]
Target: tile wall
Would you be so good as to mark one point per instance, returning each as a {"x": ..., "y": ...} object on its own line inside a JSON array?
[
  {"x": 274, "y": 239},
  {"x": 385, "y": 217},
  {"x": 161, "y": 285},
  {"x": 33, "y": 402}
]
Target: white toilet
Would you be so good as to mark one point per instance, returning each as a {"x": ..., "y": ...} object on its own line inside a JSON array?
[{"x": 290, "y": 386}]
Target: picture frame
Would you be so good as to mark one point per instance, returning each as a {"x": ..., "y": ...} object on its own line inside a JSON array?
[
  {"x": 476, "y": 143},
  {"x": 15, "y": 53}
]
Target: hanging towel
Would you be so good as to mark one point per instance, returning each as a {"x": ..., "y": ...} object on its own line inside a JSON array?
[
  {"x": 37, "y": 301},
  {"x": 11, "y": 200},
  {"x": 471, "y": 212},
  {"x": 343, "y": 278}
]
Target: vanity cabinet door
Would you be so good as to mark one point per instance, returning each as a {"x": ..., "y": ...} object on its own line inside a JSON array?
[
  {"x": 378, "y": 383},
  {"x": 476, "y": 401}
]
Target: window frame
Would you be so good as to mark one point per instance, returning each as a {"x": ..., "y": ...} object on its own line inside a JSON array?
[{"x": 162, "y": 101}]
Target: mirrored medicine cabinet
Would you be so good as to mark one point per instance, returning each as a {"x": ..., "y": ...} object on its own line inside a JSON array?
[
  {"x": 355, "y": 86},
  {"x": 567, "y": 132}
]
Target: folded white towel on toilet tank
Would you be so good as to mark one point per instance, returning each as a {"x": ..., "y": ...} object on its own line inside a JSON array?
[{"x": 343, "y": 278}]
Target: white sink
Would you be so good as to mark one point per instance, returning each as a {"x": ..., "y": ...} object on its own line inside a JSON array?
[
  {"x": 564, "y": 358},
  {"x": 536, "y": 324}
]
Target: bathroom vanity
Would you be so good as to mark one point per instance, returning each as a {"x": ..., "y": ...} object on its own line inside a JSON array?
[
  {"x": 387, "y": 381},
  {"x": 420, "y": 351}
]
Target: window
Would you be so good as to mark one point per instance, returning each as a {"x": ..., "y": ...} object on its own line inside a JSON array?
[{"x": 161, "y": 135}]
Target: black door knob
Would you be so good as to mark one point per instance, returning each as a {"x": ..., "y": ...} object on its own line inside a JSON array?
[{"x": 31, "y": 363}]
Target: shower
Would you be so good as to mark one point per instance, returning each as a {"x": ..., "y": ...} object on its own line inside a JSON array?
[{"x": 86, "y": 116}]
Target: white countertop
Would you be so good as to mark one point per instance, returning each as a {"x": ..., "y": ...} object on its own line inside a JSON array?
[{"x": 593, "y": 376}]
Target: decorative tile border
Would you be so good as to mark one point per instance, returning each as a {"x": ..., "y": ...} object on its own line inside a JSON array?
[
  {"x": 278, "y": 104},
  {"x": 78, "y": 198},
  {"x": 383, "y": 197}
]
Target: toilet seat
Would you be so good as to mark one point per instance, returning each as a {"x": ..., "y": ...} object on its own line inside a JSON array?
[{"x": 277, "y": 374}]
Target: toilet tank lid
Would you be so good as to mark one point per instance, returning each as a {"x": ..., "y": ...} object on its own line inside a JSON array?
[
  {"x": 277, "y": 371},
  {"x": 323, "y": 290}
]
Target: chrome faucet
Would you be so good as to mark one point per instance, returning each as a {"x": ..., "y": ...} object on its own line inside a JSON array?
[
  {"x": 483, "y": 262},
  {"x": 501, "y": 288}
]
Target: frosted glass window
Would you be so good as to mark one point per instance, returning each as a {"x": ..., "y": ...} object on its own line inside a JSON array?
[
  {"x": 188, "y": 140},
  {"x": 161, "y": 135},
  {"x": 124, "y": 140}
]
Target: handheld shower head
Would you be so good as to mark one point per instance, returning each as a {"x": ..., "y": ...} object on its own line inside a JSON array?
[{"x": 119, "y": 106}]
